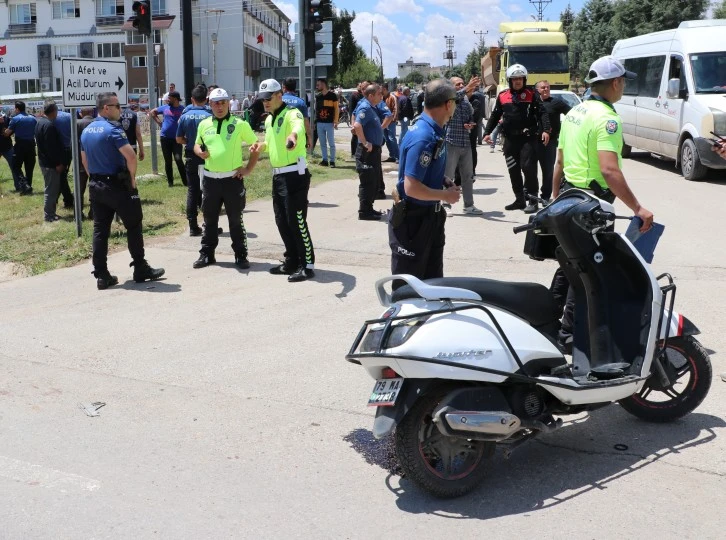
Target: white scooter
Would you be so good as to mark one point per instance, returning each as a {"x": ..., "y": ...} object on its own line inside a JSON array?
[{"x": 465, "y": 364}]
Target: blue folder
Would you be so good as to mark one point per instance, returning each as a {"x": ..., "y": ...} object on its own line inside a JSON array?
[{"x": 644, "y": 242}]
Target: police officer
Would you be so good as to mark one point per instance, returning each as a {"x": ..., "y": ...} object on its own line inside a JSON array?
[
  {"x": 369, "y": 132},
  {"x": 186, "y": 134},
  {"x": 219, "y": 143},
  {"x": 132, "y": 128},
  {"x": 285, "y": 142},
  {"x": 416, "y": 223},
  {"x": 111, "y": 166},
  {"x": 524, "y": 119},
  {"x": 590, "y": 147},
  {"x": 22, "y": 125},
  {"x": 293, "y": 100}
]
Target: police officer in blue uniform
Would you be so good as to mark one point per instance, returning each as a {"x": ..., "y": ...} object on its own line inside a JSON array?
[
  {"x": 111, "y": 165},
  {"x": 416, "y": 222},
  {"x": 22, "y": 125},
  {"x": 186, "y": 134},
  {"x": 368, "y": 129},
  {"x": 291, "y": 99}
]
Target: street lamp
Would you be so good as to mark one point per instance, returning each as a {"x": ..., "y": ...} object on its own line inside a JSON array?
[
  {"x": 217, "y": 12},
  {"x": 380, "y": 54}
]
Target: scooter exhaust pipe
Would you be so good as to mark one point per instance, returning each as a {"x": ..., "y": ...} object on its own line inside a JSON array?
[{"x": 479, "y": 425}]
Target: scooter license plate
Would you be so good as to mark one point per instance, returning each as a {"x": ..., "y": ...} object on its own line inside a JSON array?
[{"x": 385, "y": 392}]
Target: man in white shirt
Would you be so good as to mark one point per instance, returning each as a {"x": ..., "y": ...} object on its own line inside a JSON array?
[
  {"x": 165, "y": 98},
  {"x": 234, "y": 104}
]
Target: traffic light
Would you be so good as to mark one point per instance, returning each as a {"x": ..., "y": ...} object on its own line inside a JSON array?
[
  {"x": 312, "y": 22},
  {"x": 142, "y": 21}
]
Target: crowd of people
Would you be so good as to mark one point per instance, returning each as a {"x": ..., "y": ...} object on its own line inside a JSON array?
[{"x": 436, "y": 154}]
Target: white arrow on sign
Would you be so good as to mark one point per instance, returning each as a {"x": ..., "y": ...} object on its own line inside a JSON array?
[{"x": 83, "y": 80}]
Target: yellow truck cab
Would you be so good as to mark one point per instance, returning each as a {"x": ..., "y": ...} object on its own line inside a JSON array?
[{"x": 541, "y": 47}]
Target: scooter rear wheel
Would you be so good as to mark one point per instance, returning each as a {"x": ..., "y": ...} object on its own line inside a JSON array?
[
  {"x": 689, "y": 370},
  {"x": 444, "y": 466}
]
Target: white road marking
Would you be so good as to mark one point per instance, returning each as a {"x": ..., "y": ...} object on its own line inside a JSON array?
[{"x": 37, "y": 475}]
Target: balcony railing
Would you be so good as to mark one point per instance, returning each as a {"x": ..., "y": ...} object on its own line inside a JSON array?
[
  {"x": 110, "y": 20},
  {"x": 27, "y": 28}
]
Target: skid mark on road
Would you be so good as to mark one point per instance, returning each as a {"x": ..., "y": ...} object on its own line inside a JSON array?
[{"x": 38, "y": 475}]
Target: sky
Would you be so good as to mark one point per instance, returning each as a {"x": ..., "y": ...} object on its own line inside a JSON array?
[{"x": 416, "y": 28}]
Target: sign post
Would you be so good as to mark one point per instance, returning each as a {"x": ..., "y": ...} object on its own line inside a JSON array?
[{"x": 82, "y": 81}]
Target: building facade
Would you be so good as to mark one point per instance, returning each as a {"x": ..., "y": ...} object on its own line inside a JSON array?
[
  {"x": 36, "y": 34},
  {"x": 409, "y": 66}
]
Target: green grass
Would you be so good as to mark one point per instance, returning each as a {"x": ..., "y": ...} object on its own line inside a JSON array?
[{"x": 26, "y": 240}]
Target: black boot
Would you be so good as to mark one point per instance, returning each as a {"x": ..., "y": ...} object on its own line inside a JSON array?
[
  {"x": 518, "y": 204},
  {"x": 104, "y": 280},
  {"x": 241, "y": 262},
  {"x": 204, "y": 260},
  {"x": 144, "y": 272},
  {"x": 301, "y": 274},
  {"x": 194, "y": 228},
  {"x": 531, "y": 208}
]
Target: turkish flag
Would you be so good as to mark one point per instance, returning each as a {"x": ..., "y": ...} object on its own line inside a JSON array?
[
  {"x": 3, "y": 50},
  {"x": 260, "y": 38}
]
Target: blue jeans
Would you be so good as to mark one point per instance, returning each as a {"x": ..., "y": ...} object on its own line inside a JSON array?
[
  {"x": 404, "y": 129},
  {"x": 390, "y": 135},
  {"x": 326, "y": 134},
  {"x": 8, "y": 155}
]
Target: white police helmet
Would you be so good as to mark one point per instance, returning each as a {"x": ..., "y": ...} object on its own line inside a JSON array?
[{"x": 516, "y": 70}]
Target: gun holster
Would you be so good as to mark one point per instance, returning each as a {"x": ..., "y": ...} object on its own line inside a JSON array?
[
  {"x": 600, "y": 193},
  {"x": 398, "y": 214},
  {"x": 125, "y": 179}
]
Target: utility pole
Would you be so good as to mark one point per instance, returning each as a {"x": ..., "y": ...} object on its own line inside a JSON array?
[
  {"x": 481, "y": 37},
  {"x": 188, "y": 50},
  {"x": 540, "y": 5},
  {"x": 450, "y": 53},
  {"x": 218, "y": 12}
]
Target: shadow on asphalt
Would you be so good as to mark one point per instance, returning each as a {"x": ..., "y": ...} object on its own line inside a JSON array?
[
  {"x": 158, "y": 286},
  {"x": 485, "y": 191},
  {"x": 553, "y": 469},
  {"x": 347, "y": 281},
  {"x": 321, "y": 205},
  {"x": 712, "y": 177}
]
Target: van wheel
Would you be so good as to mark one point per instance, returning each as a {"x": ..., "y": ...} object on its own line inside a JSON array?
[
  {"x": 625, "y": 152},
  {"x": 691, "y": 166}
]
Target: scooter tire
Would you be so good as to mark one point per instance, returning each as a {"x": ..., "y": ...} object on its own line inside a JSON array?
[
  {"x": 411, "y": 454},
  {"x": 698, "y": 364}
]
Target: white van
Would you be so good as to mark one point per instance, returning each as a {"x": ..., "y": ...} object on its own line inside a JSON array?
[{"x": 679, "y": 97}]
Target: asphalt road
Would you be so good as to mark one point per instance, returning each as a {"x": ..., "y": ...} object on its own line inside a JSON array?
[{"x": 231, "y": 412}]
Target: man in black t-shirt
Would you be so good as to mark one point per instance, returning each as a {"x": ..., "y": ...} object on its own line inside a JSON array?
[
  {"x": 547, "y": 153},
  {"x": 130, "y": 124}
]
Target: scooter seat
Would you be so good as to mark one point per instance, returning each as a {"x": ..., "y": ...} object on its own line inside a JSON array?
[{"x": 530, "y": 301}]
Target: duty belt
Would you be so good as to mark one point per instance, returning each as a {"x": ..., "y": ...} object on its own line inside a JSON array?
[
  {"x": 105, "y": 177},
  {"x": 210, "y": 174},
  {"x": 594, "y": 188},
  {"x": 413, "y": 209},
  {"x": 287, "y": 169}
]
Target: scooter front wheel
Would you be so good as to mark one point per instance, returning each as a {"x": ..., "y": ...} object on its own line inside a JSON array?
[
  {"x": 689, "y": 370},
  {"x": 444, "y": 466}
]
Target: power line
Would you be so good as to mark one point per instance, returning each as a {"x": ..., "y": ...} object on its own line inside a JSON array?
[
  {"x": 450, "y": 53},
  {"x": 540, "y": 6}
]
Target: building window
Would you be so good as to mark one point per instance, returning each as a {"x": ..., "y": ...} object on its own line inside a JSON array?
[
  {"x": 134, "y": 38},
  {"x": 139, "y": 90},
  {"x": 138, "y": 61},
  {"x": 158, "y": 7},
  {"x": 27, "y": 86},
  {"x": 58, "y": 84},
  {"x": 22, "y": 13},
  {"x": 66, "y": 9},
  {"x": 109, "y": 50},
  {"x": 109, "y": 8},
  {"x": 67, "y": 51}
]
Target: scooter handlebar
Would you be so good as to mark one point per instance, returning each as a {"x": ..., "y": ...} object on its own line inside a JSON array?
[{"x": 522, "y": 228}]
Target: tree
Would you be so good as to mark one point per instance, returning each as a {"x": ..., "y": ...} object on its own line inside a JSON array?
[
  {"x": 472, "y": 64},
  {"x": 719, "y": 11},
  {"x": 415, "y": 77},
  {"x": 637, "y": 17},
  {"x": 361, "y": 69},
  {"x": 345, "y": 50},
  {"x": 567, "y": 18},
  {"x": 592, "y": 34}
]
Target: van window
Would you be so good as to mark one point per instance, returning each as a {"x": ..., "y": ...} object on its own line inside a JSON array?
[
  {"x": 650, "y": 73},
  {"x": 709, "y": 72}
]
